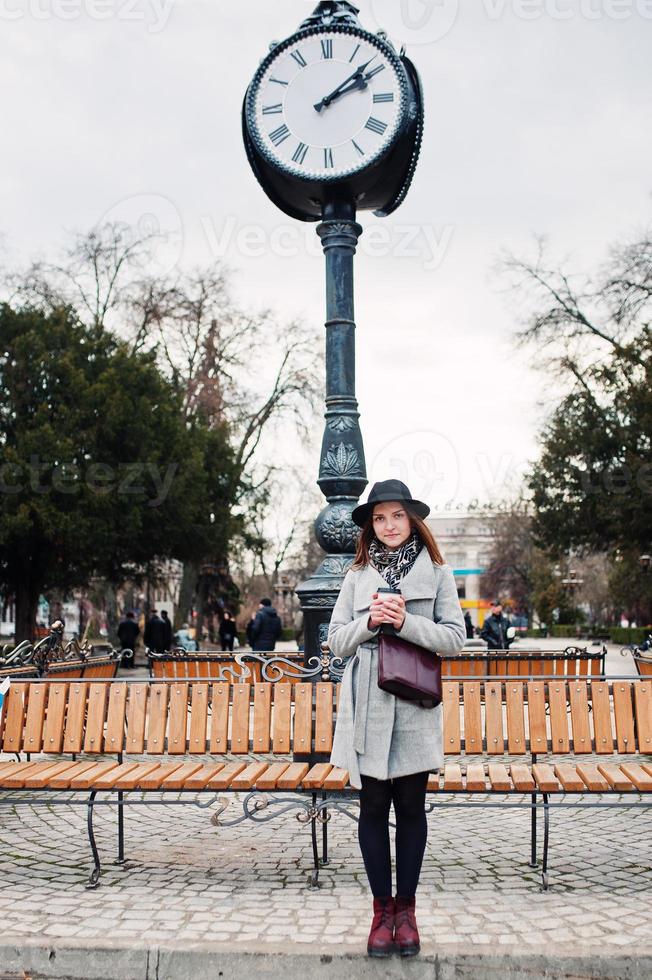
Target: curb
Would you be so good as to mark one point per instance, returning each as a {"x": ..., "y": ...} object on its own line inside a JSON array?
[{"x": 89, "y": 961}]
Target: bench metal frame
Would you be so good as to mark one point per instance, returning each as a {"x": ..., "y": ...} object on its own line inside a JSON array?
[{"x": 317, "y": 806}]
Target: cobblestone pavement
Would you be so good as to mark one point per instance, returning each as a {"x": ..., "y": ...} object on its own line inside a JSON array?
[{"x": 187, "y": 881}]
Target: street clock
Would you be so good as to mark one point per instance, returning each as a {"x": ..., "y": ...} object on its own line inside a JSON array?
[{"x": 333, "y": 113}]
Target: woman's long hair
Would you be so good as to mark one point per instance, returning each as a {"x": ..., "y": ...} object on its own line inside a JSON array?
[{"x": 417, "y": 524}]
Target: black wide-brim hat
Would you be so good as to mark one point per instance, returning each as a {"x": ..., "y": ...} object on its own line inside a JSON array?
[{"x": 388, "y": 490}]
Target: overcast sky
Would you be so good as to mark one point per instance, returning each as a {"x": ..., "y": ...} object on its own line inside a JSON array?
[{"x": 537, "y": 123}]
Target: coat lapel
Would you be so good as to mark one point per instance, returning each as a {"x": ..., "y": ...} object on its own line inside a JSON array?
[{"x": 421, "y": 581}]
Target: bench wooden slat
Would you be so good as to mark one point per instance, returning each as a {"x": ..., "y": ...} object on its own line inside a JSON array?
[
  {"x": 203, "y": 776},
  {"x": 475, "y": 778},
  {"x": 499, "y": 778},
  {"x": 432, "y": 786},
  {"x": 602, "y": 724},
  {"x": 522, "y": 777},
  {"x": 616, "y": 777},
  {"x": 54, "y": 718},
  {"x": 96, "y": 712},
  {"x": 472, "y": 717},
  {"x": 493, "y": 711},
  {"x": 544, "y": 776},
  {"x": 316, "y": 776},
  {"x": 337, "y": 779},
  {"x": 178, "y": 719},
  {"x": 136, "y": 711},
  {"x": 579, "y": 704},
  {"x": 536, "y": 711},
  {"x": 262, "y": 716},
  {"x": 88, "y": 778},
  {"x": 292, "y": 775},
  {"x": 115, "y": 721},
  {"x": 453, "y": 777},
  {"x": 15, "y": 775},
  {"x": 624, "y": 716},
  {"x": 452, "y": 735},
  {"x": 324, "y": 717},
  {"x": 559, "y": 739},
  {"x": 220, "y": 716},
  {"x": 568, "y": 777},
  {"x": 249, "y": 775},
  {"x": 240, "y": 719},
  {"x": 38, "y": 780},
  {"x": 515, "y": 718},
  {"x": 643, "y": 711},
  {"x": 178, "y": 779},
  {"x": 144, "y": 771},
  {"x": 108, "y": 779},
  {"x": 63, "y": 779},
  {"x": 281, "y": 721},
  {"x": 269, "y": 779},
  {"x": 592, "y": 777},
  {"x": 35, "y": 717},
  {"x": 224, "y": 778},
  {"x": 198, "y": 718},
  {"x": 302, "y": 718},
  {"x": 157, "y": 721},
  {"x": 641, "y": 779}
]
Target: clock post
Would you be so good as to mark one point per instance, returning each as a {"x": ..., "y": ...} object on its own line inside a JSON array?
[
  {"x": 332, "y": 124},
  {"x": 342, "y": 471}
]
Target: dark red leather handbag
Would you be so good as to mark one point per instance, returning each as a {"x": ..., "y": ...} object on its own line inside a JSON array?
[{"x": 408, "y": 671}]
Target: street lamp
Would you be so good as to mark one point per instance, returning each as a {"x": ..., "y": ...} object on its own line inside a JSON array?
[{"x": 644, "y": 561}]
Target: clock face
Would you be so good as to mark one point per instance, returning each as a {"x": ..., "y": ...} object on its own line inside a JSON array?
[{"x": 327, "y": 104}]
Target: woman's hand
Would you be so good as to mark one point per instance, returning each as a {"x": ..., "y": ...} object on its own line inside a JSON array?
[{"x": 390, "y": 609}]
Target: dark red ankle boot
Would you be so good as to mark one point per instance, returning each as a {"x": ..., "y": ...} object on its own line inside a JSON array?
[
  {"x": 381, "y": 937},
  {"x": 406, "y": 933}
]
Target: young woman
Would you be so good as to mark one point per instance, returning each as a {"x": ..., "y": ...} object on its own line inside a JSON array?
[{"x": 389, "y": 745}]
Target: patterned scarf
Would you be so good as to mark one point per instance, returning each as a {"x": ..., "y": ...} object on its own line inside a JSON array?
[{"x": 394, "y": 563}]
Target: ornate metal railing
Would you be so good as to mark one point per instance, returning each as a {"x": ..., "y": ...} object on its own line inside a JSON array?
[{"x": 52, "y": 649}]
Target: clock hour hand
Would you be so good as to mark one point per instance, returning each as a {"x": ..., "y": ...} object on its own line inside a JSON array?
[{"x": 335, "y": 94}]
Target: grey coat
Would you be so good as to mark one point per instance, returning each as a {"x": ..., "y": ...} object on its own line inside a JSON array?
[{"x": 378, "y": 734}]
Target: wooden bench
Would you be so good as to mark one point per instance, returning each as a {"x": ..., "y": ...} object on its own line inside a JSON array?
[{"x": 541, "y": 744}]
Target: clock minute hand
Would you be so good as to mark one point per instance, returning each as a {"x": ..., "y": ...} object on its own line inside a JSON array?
[{"x": 357, "y": 74}]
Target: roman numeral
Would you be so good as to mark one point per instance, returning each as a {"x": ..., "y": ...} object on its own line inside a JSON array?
[
  {"x": 375, "y": 125},
  {"x": 272, "y": 110},
  {"x": 354, "y": 54},
  {"x": 279, "y": 81},
  {"x": 374, "y": 71},
  {"x": 300, "y": 60},
  {"x": 384, "y": 97},
  {"x": 327, "y": 48},
  {"x": 299, "y": 154},
  {"x": 328, "y": 157},
  {"x": 358, "y": 148},
  {"x": 279, "y": 135}
]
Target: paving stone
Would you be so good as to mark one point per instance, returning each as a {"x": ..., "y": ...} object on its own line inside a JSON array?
[{"x": 189, "y": 881}]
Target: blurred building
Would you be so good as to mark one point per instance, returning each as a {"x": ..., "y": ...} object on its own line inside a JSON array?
[{"x": 464, "y": 541}]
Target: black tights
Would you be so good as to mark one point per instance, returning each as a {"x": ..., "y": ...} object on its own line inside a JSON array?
[{"x": 408, "y": 794}]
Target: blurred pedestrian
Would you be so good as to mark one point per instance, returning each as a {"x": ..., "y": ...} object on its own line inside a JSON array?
[
  {"x": 468, "y": 622},
  {"x": 227, "y": 631},
  {"x": 495, "y": 627},
  {"x": 266, "y": 628},
  {"x": 155, "y": 633},
  {"x": 184, "y": 639},
  {"x": 248, "y": 631},
  {"x": 168, "y": 629},
  {"x": 128, "y": 633}
]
